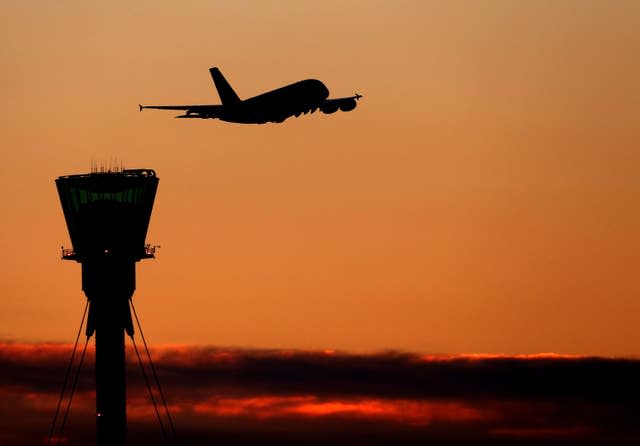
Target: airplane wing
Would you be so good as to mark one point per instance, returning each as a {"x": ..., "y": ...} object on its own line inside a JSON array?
[
  {"x": 329, "y": 106},
  {"x": 192, "y": 111}
]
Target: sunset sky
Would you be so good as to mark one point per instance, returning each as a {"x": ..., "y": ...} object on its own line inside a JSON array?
[
  {"x": 483, "y": 197},
  {"x": 479, "y": 207}
]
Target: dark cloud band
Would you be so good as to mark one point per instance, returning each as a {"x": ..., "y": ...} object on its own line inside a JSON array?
[{"x": 404, "y": 396}]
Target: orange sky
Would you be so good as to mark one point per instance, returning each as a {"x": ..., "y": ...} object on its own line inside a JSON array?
[{"x": 483, "y": 197}]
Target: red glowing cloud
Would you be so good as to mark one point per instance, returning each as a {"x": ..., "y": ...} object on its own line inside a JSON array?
[
  {"x": 415, "y": 413},
  {"x": 375, "y": 398}
]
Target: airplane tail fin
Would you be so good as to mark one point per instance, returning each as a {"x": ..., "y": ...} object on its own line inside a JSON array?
[{"x": 226, "y": 93}]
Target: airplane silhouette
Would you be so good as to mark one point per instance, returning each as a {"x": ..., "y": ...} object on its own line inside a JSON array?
[{"x": 274, "y": 106}]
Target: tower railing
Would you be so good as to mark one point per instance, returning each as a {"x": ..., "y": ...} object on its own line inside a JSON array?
[{"x": 149, "y": 252}]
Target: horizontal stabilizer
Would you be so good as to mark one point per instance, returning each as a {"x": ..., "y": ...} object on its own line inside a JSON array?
[{"x": 169, "y": 107}]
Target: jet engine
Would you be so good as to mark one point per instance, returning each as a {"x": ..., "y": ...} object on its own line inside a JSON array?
[
  {"x": 347, "y": 105},
  {"x": 329, "y": 108}
]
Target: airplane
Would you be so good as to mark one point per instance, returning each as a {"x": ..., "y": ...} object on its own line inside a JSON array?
[{"x": 295, "y": 99}]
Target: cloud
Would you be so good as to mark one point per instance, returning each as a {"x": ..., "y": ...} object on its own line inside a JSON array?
[{"x": 327, "y": 397}]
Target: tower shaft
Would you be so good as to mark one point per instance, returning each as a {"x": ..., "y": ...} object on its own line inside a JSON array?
[{"x": 109, "y": 284}]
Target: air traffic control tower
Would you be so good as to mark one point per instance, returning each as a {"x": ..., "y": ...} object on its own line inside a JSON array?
[{"x": 107, "y": 214}]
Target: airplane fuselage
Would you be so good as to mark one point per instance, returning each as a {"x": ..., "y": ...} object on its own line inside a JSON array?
[
  {"x": 274, "y": 106},
  {"x": 278, "y": 104}
]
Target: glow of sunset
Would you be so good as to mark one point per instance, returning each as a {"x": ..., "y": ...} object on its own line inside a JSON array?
[{"x": 483, "y": 197}]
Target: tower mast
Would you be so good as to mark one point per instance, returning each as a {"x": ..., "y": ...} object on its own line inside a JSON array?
[{"x": 107, "y": 215}]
